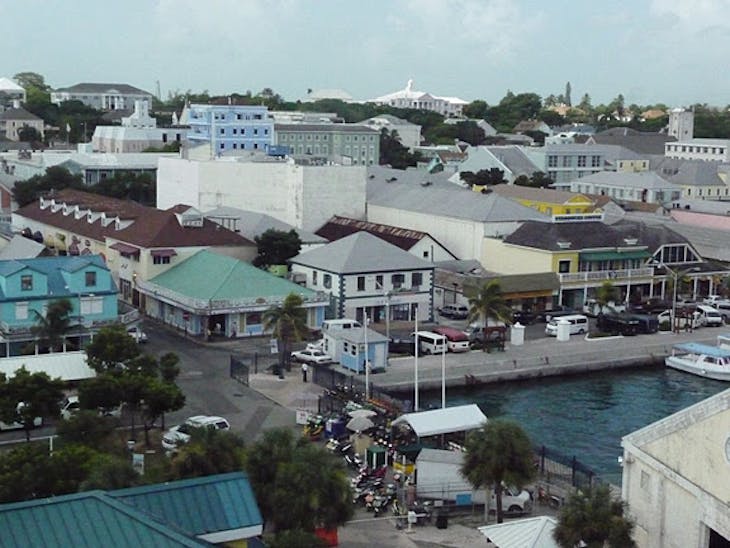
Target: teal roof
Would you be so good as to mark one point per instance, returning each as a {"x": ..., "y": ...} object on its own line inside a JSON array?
[
  {"x": 198, "y": 506},
  {"x": 210, "y": 276},
  {"x": 90, "y": 519}
]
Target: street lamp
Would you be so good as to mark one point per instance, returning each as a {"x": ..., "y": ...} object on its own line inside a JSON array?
[{"x": 675, "y": 277}]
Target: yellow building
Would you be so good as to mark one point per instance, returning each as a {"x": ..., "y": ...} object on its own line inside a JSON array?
[{"x": 547, "y": 201}]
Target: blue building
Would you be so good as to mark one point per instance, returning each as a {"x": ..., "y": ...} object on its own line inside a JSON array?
[
  {"x": 28, "y": 286},
  {"x": 347, "y": 346},
  {"x": 231, "y": 127}
]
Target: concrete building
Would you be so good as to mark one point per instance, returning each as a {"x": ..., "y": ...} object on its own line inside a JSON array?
[
  {"x": 14, "y": 120},
  {"x": 567, "y": 162},
  {"x": 709, "y": 150},
  {"x": 101, "y": 96},
  {"x": 698, "y": 179},
  {"x": 409, "y": 134},
  {"x": 510, "y": 159},
  {"x": 419, "y": 100},
  {"x": 675, "y": 477},
  {"x": 304, "y": 196},
  {"x": 10, "y": 92},
  {"x": 681, "y": 124},
  {"x": 638, "y": 187},
  {"x": 137, "y": 133},
  {"x": 355, "y": 144},
  {"x": 230, "y": 127}
]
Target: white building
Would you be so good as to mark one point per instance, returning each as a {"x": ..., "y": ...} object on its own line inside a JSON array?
[
  {"x": 101, "y": 96},
  {"x": 420, "y": 100},
  {"x": 409, "y": 134},
  {"x": 304, "y": 196},
  {"x": 137, "y": 133},
  {"x": 681, "y": 124},
  {"x": 676, "y": 477},
  {"x": 711, "y": 150},
  {"x": 367, "y": 275},
  {"x": 9, "y": 92},
  {"x": 644, "y": 186}
]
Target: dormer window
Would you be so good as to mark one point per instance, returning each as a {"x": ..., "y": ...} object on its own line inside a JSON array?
[
  {"x": 26, "y": 282},
  {"x": 90, "y": 278},
  {"x": 562, "y": 244},
  {"x": 631, "y": 241}
]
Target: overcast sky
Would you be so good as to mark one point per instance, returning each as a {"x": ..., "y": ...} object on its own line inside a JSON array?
[{"x": 671, "y": 51}]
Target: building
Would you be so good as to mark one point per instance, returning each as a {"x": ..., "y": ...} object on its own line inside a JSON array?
[
  {"x": 639, "y": 260},
  {"x": 511, "y": 160},
  {"x": 220, "y": 509},
  {"x": 101, "y": 96},
  {"x": 456, "y": 217},
  {"x": 137, "y": 133},
  {"x": 681, "y": 124},
  {"x": 548, "y": 201},
  {"x": 14, "y": 120},
  {"x": 209, "y": 292},
  {"x": 28, "y": 286},
  {"x": 10, "y": 92},
  {"x": 366, "y": 275},
  {"x": 347, "y": 347},
  {"x": 638, "y": 187},
  {"x": 697, "y": 179},
  {"x": 137, "y": 242},
  {"x": 708, "y": 150},
  {"x": 419, "y": 100},
  {"x": 566, "y": 162},
  {"x": 355, "y": 144},
  {"x": 641, "y": 142},
  {"x": 304, "y": 196},
  {"x": 675, "y": 479},
  {"x": 230, "y": 127},
  {"x": 528, "y": 126},
  {"x": 409, "y": 134},
  {"x": 418, "y": 243}
]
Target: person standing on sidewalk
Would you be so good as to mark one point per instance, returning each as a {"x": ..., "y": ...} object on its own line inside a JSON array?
[{"x": 305, "y": 369}]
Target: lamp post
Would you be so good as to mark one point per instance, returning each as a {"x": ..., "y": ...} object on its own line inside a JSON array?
[
  {"x": 367, "y": 361},
  {"x": 675, "y": 277}
]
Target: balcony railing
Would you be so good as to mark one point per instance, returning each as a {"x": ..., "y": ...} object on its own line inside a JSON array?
[{"x": 602, "y": 275}]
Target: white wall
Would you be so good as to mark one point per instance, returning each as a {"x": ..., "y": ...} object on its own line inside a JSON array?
[{"x": 303, "y": 196}]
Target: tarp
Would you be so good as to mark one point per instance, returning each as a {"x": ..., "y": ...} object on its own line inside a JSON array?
[
  {"x": 444, "y": 421},
  {"x": 69, "y": 366},
  {"x": 522, "y": 533}
]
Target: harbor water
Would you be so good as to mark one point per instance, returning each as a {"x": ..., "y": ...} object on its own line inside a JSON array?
[{"x": 586, "y": 415}]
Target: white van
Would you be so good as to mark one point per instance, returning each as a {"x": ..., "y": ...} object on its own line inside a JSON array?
[
  {"x": 709, "y": 316},
  {"x": 336, "y": 325},
  {"x": 578, "y": 324},
  {"x": 430, "y": 343}
]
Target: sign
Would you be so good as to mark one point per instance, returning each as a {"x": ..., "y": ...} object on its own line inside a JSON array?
[
  {"x": 186, "y": 316},
  {"x": 302, "y": 416},
  {"x": 274, "y": 346},
  {"x": 138, "y": 463}
]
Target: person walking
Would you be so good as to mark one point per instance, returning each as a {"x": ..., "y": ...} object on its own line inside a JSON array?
[{"x": 305, "y": 369}]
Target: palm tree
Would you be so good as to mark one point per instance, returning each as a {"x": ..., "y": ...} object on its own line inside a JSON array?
[
  {"x": 607, "y": 293},
  {"x": 498, "y": 454},
  {"x": 486, "y": 302},
  {"x": 51, "y": 329},
  {"x": 288, "y": 323},
  {"x": 594, "y": 518}
]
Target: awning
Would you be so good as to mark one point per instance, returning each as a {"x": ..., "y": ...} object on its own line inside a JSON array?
[
  {"x": 523, "y": 533},
  {"x": 73, "y": 249},
  {"x": 444, "y": 421},
  {"x": 613, "y": 255},
  {"x": 125, "y": 249},
  {"x": 68, "y": 366},
  {"x": 163, "y": 252}
]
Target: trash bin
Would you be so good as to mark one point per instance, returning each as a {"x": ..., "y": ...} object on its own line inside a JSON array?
[{"x": 442, "y": 520}]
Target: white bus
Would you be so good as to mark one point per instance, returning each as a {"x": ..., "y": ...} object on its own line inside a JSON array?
[{"x": 430, "y": 343}]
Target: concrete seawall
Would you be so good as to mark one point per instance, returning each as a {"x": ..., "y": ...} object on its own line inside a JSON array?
[{"x": 534, "y": 359}]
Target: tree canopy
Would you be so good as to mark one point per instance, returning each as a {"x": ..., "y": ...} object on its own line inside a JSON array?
[
  {"x": 393, "y": 153},
  {"x": 51, "y": 328},
  {"x": 26, "y": 396},
  {"x": 288, "y": 323},
  {"x": 276, "y": 247}
]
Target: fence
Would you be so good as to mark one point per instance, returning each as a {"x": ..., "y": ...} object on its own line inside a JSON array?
[
  {"x": 555, "y": 467},
  {"x": 342, "y": 387},
  {"x": 241, "y": 365}
]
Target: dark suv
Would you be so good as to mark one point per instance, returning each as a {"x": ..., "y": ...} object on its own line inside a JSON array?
[{"x": 525, "y": 317}]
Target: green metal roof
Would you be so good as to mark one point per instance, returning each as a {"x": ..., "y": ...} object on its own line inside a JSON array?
[
  {"x": 613, "y": 255},
  {"x": 198, "y": 506},
  {"x": 89, "y": 519},
  {"x": 210, "y": 276}
]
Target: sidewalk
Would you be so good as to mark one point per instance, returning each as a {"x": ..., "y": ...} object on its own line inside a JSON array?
[{"x": 290, "y": 392}]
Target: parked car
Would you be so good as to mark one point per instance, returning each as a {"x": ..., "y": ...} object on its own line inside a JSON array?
[
  {"x": 685, "y": 318},
  {"x": 311, "y": 355},
  {"x": 524, "y": 317},
  {"x": 619, "y": 324},
  {"x": 137, "y": 334},
  {"x": 15, "y": 425},
  {"x": 406, "y": 345},
  {"x": 70, "y": 406},
  {"x": 454, "y": 311},
  {"x": 652, "y": 305},
  {"x": 710, "y": 316},
  {"x": 548, "y": 315},
  {"x": 514, "y": 501},
  {"x": 180, "y": 434}
]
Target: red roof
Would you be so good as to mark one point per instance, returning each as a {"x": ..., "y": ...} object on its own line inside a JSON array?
[
  {"x": 339, "y": 227},
  {"x": 150, "y": 227}
]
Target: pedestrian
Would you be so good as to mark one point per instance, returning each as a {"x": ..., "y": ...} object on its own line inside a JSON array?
[{"x": 305, "y": 368}]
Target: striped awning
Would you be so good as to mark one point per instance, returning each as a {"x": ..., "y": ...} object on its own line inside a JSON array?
[
  {"x": 163, "y": 252},
  {"x": 614, "y": 255},
  {"x": 125, "y": 249}
]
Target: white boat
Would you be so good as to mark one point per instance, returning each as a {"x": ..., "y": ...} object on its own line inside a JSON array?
[{"x": 711, "y": 362}]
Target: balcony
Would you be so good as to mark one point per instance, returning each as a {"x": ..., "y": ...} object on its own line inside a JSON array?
[{"x": 615, "y": 276}]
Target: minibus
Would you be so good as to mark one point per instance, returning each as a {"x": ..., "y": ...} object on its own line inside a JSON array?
[
  {"x": 456, "y": 341},
  {"x": 430, "y": 343},
  {"x": 578, "y": 324}
]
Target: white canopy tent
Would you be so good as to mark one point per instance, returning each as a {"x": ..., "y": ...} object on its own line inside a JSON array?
[
  {"x": 69, "y": 366},
  {"x": 522, "y": 533},
  {"x": 444, "y": 421}
]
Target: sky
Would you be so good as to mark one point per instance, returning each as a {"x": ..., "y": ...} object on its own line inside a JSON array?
[{"x": 651, "y": 51}]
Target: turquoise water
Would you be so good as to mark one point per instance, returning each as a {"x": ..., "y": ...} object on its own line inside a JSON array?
[{"x": 587, "y": 415}]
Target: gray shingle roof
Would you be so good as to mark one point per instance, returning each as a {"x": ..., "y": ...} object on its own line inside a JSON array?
[
  {"x": 251, "y": 224},
  {"x": 360, "y": 252},
  {"x": 326, "y": 128},
  {"x": 87, "y": 87},
  {"x": 641, "y": 180},
  {"x": 17, "y": 114},
  {"x": 515, "y": 159},
  {"x": 419, "y": 191}
]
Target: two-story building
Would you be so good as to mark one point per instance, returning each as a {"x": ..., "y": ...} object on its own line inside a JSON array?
[
  {"x": 137, "y": 242},
  {"x": 413, "y": 99},
  {"x": 357, "y": 144},
  {"x": 645, "y": 186},
  {"x": 28, "y": 286},
  {"x": 548, "y": 201},
  {"x": 101, "y": 96},
  {"x": 567, "y": 162},
  {"x": 364, "y": 274},
  {"x": 14, "y": 120},
  {"x": 229, "y": 127}
]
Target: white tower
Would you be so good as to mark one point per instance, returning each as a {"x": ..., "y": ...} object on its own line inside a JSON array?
[{"x": 682, "y": 124}]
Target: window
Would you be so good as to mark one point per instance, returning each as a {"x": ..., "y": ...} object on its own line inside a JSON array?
[
  {"x": 314, "y": 277},
  {"x": 379, "y": 281},
  {"x": 595, "y": 161},
  {"x": 581, "y": 161},
  {"x": 162, "y": 260},
  {"x": 235, "y": 131},
  {"x": 26, "y": 283},
  {"x": 90, "y": 278},
  {"x": 552, "y": 161},
  {"x": 92, "y": 305},
  {"x": 416, "y": 279},
  {"x": 361, "y": 283},
  {"x": 223, "y": 131},
  {"x": 253, "y": 318},
  {"x": 397, "y": 280},
  {"x": 327, "y": 281},
  {"x": 21, "y": 311},
  {"x": 564, "y": 266},
  {"x": 567, "y": 161},
  {"x": 255, "y": 131}
]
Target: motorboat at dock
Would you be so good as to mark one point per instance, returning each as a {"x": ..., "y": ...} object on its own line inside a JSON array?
[{"x": 711, "y": 362}]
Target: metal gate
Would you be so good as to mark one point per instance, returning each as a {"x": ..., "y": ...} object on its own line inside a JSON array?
[{"x": 241, "y": 365}]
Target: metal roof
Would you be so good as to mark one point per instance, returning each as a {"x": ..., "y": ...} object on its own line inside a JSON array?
[
  {"x": 251, "y": 224},
  {"x": 522, "y": 533},
  {"x": 206, "y": 507},
  {"x": 68, "y": 366},
  {"x": 89, "y": 519},
  {"x": 443, "y": 421},
  {"x": 360, "y": 252}
]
